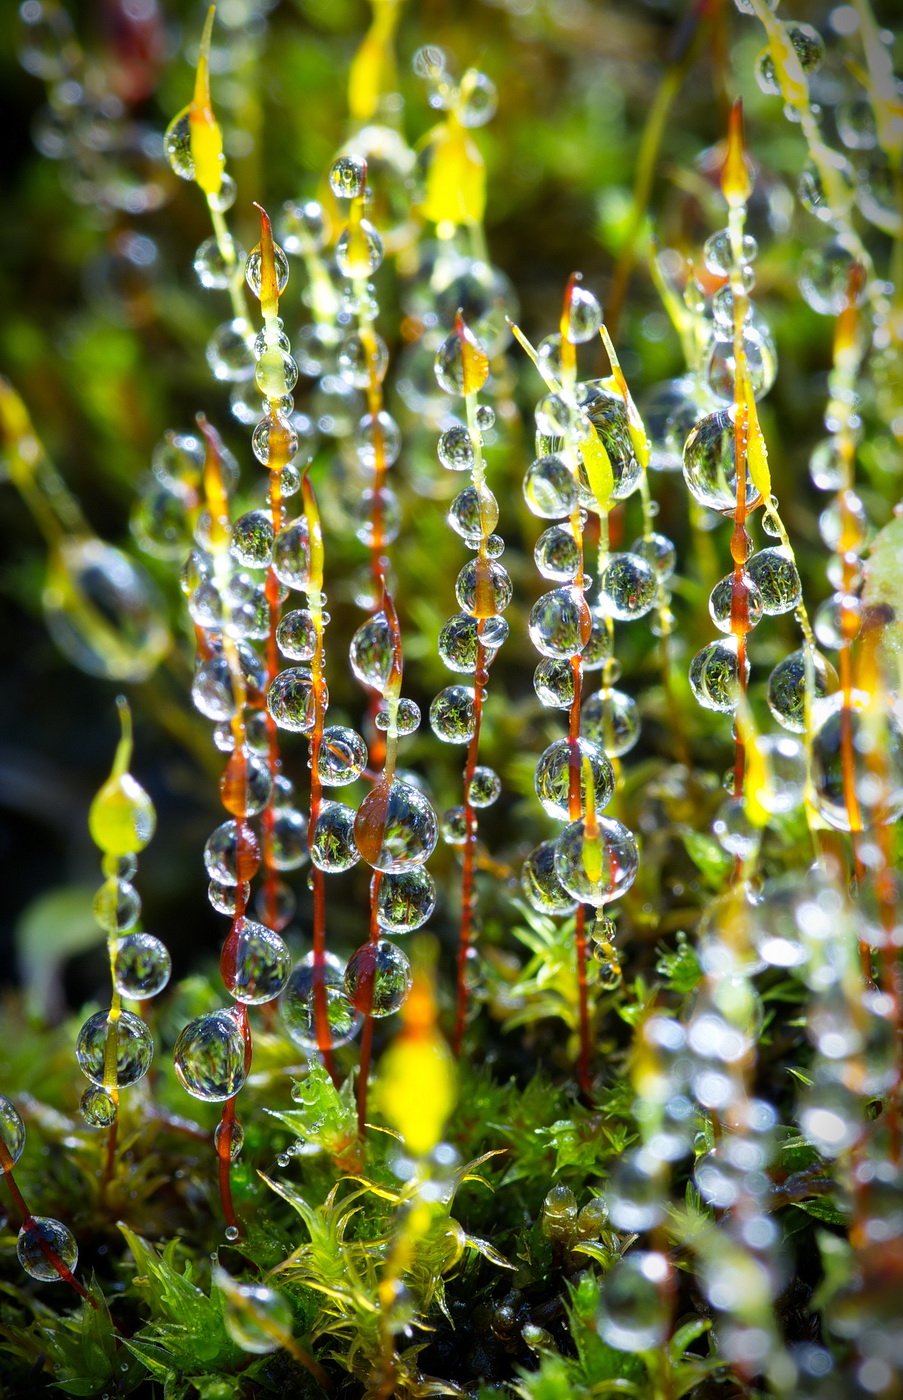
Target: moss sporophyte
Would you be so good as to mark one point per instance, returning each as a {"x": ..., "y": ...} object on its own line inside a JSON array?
[{"x": 551, "y": 1056}]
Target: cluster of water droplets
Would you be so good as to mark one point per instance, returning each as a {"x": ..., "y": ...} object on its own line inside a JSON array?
[{"x": 46, "y": 1248}]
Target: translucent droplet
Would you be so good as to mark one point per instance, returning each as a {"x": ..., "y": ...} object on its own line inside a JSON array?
[
  {"x": 844, "y": 524},
  {"x": 12, "y": 1129},
  {"x": 810, "y": 50},
  {"x": 453, "y": 714},
  {"x": 635, "y": 1302},
  {"x": 876, "y": 750},
  {"x": 371, "y": 652},
  {"x": 607, "y": 412},
  {"x": 595, "y": 869},
  {"x": 733, "y": 829},
  {"x": 212, "y": 268},
  {"x": 275, "y": 375},
  {"x": 721, "y": 602},
  {"x": 453, "y": 827},
  {"x": 158, "y": 522},
  {"x": 540, "y": 883},
  {"x": 557, "y": 554},
  {"x": 141, "y": 966},
  {"x": 177, "y": 145},
  {"x": 627, "y": 587},
  {"x": 553, "y": 681},
  {"x": 775, "y": 574},
  {"x": 785, "y": 766},
  {"x": 395, "y": 827},
  {"x": 787, "y": 688},
  {"x": 298, "y": 1005},
  {"x": 232, "y": 853},
  {"x": 456, "y": 449},
  {"x": 303, "y": 227},
  {"x": 103, "y": 611},
  {"x": 291, "y": 700},
  {"x": 610, "y": 719},
  {"x": 255, "y": 964},
  {"x": 246, "y": 785},
  {"x": 407, "y": 716},
  {"x": 710, "y": 464},
  {"x": 455, "y": 353},
  {"x": 254, "y": 269},
  {"x": 359, "y": 251},
  {"x": 233, "y": 1133},
  {"x": 210, "y": 1057},
  {"x": 827, "y": 465},
  {"x": 477, "y": 99},
  {"x": 361, "y": 359},
  {"x": 347, "y": 177},
  {"x": 98, "y": 1107},
  {"x": 274, "y": 443},
  {"x": 288, "y": 839},
  {"x": 378, "y": 978},
  {"x": 332, "y": 846},
  {"x": 831, "y": 1118},
  {"x": 473, "y": 514},
  {"x": 718, "y": 252},
  {"x": 484, "y": 787},
  {"x": 117, "y": 906},
  {"x": 584, "y": 316},
  {"x": 377, "y": 436},
  {"x": 485, "y": 417},
  {"x": 659, "y": 553},
  {"x": 598, "y": 650},
  {"x": 838, "y": 620},
  {"x": 342, "y": 757},
  {"x": 825, "y": 276},
  {"x": 483, "y": 588},
  {"x": 637, "y": 1193},
  {"x": 405, "y": 900},
  {"x": 134, "y": 1047},
  {"x": 670, "y": 411},
  {"x": 291, "y": 555},
  {"x": 550, "y": 488},
  {"x": 553, "y": 776},
  {"x": 257, "y": 1318},
  {"x": 813, "y": 194},
  {"x": 54, "y": 1235},
  {"x": 230, "y": 352},
  {"x": 252, "y": 539},
  {"x": 715, "y": 675},
  {"x": 460, "y": 636}
]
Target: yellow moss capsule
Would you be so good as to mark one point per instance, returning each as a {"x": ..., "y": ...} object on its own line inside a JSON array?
[
  {"x": 205, "y": 135},
  {"x": 416, "y": 1084},
  {"x": 456, "y": 179},
  {"x": 122, "y": 817}
]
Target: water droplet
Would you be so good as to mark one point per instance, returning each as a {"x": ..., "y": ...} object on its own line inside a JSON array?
[
  {"x": 635, "y": 1303},
  {"x": 359, "y": 359},
  {"x": 775, "y": 574},
  {"x": 824, "y": 277},
  {"x": 296, "y": 635},
  {"x": 224, "y": 898},
  {"x": 359, "y": 251},
  {"x": 141, "y": 966},
  {"x": 451, "y": 365},
  {"x": 710, "y": 464},
  {"x": 288, "y": 839},
  {"x": 453, "y": 714},
  {"x": 560, "y": 623},
  {"x": 348, "y": 176},
  {"x": 876, "y": 750},
  {"x": 485, "y": 417},
  {"x": 598, "y": 650},
  {"x": 610, "y": 719},
  {"x": 177, "y": 145},
  {"x": 117, "y": 906},
  {"x": 134, "y": 1047},
  {"x": 252, "y": 539},
  {"x": 298, "y": 1005},
  {"x": 785, "y": 765},
  {"x": 721, "y": 602},
  {"x": 274, "y": 443},
  {"x": 342, "y": 757},
  {"x": 232, "y": 853},
  {"x": 275, "y": 375},
  {"x": 553, "y": 681},
  {"x": 733, "y": 829},
  {"x": 584, "y": 315},
  {"x": 377, "y": 436},
  {"x": 12, "y": 1129},
  {"x": 718, "y": 252},
  {"x": 303, "y": 227},
  {"x": 557, "y": 554},
  {"x": 550, "y": 488},
  {"x": 540, "y": 884},
  {"x": 844, "y": 524},
  {"x": 812, "y": 192},
  {"x": 230, "y": 351},
  {"x": 473, "y": 514},
  {"x": 483, "y": 588},
  {"x": 627, "y": 587},
  {"x": 810, "y": 50},
  {"x": 371, "y": 652},
  {"x": 715, "y": 675},
  {"x": 607, "y": 412},
  {"x": 395, "y": 827},
  {"x": 257, "y": 1318},
  {"x": 256, "y": 963},
  {"x": 332, "y": 845},
  {"x": 659, "y": 553},
  {"x": 246, "y": 785},
  {"x": 637, "y": 1192},
  {"x": 212, "y": 268},
  {"x": 407, "y": 716},
  {"x": 553, "y": 776},
  {"x": 405, "y": 900},
  {"x": 103, "y": 611},
  {"x": 54, "y": 1234},
  {"x": 484, "y": 788},
  {"x": 291, "y": 700},
  {"x": 210, "y": 1058},
  {"x": 456, "y": 449},
  {"x": 477, "y": 99},
  {"x": 98, "y": 1107},
  {"x": 378, "y": 978},
  {"x": 453, "y": 826},
  {"x": 254, "y": 269},
  {"x": 787, "y": 688},
  {"x": 595, "y": 869}
]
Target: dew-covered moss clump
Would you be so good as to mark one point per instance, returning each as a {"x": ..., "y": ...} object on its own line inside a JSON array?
[{"x": 453, "y": 792}]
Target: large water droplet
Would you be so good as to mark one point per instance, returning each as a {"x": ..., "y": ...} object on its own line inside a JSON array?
[
  {"x": 209, "y": 1057},
  {"x": 134, "y": 1047}
]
